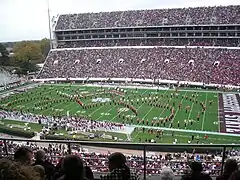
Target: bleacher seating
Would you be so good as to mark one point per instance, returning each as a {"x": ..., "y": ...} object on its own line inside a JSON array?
[
  {"x": 180, "y": 16},
  {"x": 159, "y": 63}
]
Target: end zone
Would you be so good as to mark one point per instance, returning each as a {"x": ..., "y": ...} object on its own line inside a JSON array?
[{"x": 229, "y": 113}]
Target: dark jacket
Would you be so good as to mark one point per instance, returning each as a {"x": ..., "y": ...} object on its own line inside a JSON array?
[
  {"x": 223, "y": 177},
  {"x": 235, "y": 176}
]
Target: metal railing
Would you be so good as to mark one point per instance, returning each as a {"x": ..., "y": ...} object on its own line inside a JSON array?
[{"x": 144, "y": 147}]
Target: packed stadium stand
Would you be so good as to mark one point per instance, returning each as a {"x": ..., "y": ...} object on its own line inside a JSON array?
[
  {"x": 9, "y": 80},
  {"x": 218, "y": 66},
  {"x": 199, "y": 44},
  {"x": 185, "y": 44},
  {"x": 201, "y": 26}
]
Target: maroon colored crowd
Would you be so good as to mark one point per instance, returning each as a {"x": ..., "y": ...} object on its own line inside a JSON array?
[
  {"x": 155, "y": 17},
  {"x": 50, "y": 156},
  {"x": 208, "y": 65}
]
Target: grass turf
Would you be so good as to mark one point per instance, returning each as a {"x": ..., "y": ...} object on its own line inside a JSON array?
[{"x": 56, "y": 100}]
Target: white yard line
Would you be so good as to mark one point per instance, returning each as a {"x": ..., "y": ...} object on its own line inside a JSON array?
[
  {"x": 177, "y": 110},
  {"x": 191, "y": 110},
  {"x": 219, "y": 139},
  {"x": 58, "y": 105},
  {"x": 148, "y": 113},
  {"x": 152, "y": 87},
  {"x": 66, "y": 105},
  {"x": 204, "y": 115},
  {"x": 138, "y": 87},
  {"x": 77, "y": 105},
  {"x": 101, "y": 106},
  {"x": 48, "y": 91},
  {"x": 163, "y": 109},
  {"x": 153, "y": 107},
  {"x": 26, "y": 104},
  {"x": 219, "y": 120},
  {"x": 117, "y": 105},
  {"x": 124, "y": 121},
  {"x": 186, "y": 130}
]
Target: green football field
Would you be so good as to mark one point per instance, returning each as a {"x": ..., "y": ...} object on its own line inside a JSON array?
[{"x": 191, "y": 112}]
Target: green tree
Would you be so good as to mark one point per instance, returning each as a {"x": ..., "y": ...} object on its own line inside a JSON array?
[
  {"x": 27, "y": 51},
  {"x": 45, "y": 46},
  {"x": 4, "y": 59},
  {"x": 27, "y": 66}
]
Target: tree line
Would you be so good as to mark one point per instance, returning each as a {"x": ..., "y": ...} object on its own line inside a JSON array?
[{"x": 24, "y": 55}]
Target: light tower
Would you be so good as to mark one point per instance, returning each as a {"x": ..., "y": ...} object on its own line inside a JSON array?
[{"x": 49, "y": 26}]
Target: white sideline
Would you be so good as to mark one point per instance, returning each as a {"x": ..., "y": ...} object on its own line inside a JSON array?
[
  {"x": 187, "y": 131},
  {"x": 124, "y": 80}
]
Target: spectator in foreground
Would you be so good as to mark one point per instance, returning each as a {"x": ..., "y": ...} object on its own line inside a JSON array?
[
  {"x": 41, "y": 160},
  {"x": 40, "y": 170},
  {"x": 229, "y": 167},
  {"x": 73, "y": 168},
  {"x": 167, "y": 173},
  {"x": 15, "y": 171},
  {"x": 235, "y": 175},
  {"x": 23, "y": 155},
  {"x": 88, "y": 173},
  {"x": 58, "y": 169},
  {"x": 196, "y": 173},
  {"x": 118, "y": 168}
]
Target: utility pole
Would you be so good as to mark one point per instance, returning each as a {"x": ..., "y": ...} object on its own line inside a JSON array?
[{"x": 49, "y": 26}]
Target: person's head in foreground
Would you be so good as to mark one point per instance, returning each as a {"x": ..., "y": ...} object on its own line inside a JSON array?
[
  {"x": 196, "y": 173},
  {"x": 40, "y": 170},
  {"x": 23, "y": 155},
  {"x": 117, "y": 161},
  {"x": 167, "y": 173},
  {"x": 88, "y": 173},
  {"x": 15, "y": 171},
  {"x": 230, "y": 166},
  {"x": 235, "y": 175},
  {"x": 73, "y": 168},
  {"x": 40, "y": 156},
  {"x": 196, "y": 167},
  {"x": 118, "y": 168}
]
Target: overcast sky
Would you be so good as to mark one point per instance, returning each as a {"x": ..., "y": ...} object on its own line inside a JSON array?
[{"x": 28, "y": 19}]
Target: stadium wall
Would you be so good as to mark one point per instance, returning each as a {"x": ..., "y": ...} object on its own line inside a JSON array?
[{"x": 125, "y": 80}]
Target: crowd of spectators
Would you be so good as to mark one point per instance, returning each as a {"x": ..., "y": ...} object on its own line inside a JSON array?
[
  {"x": 155, "y": 17},
  {"x": 71, "y": 124},
  {"x": 208, "y": 65},
  {"x": 49, "y": 158},
  {"x": 8, "y": 80},
  {"x": 151, "y": 42}
]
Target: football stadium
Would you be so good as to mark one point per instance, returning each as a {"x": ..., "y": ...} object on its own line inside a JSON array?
[
  {"x": 159, "y": 80},
  {"x": 130, "y": 114}
]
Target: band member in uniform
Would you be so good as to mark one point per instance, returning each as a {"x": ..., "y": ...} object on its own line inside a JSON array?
[
  {"x": 180, "y": 106},
  {"x": 185, "y": 123},
  {"x": 210, "y": 102},
  {"x": 198, "y": 116}
]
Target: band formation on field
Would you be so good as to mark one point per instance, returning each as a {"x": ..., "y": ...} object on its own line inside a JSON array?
[{"x": 125, "y": 114}]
